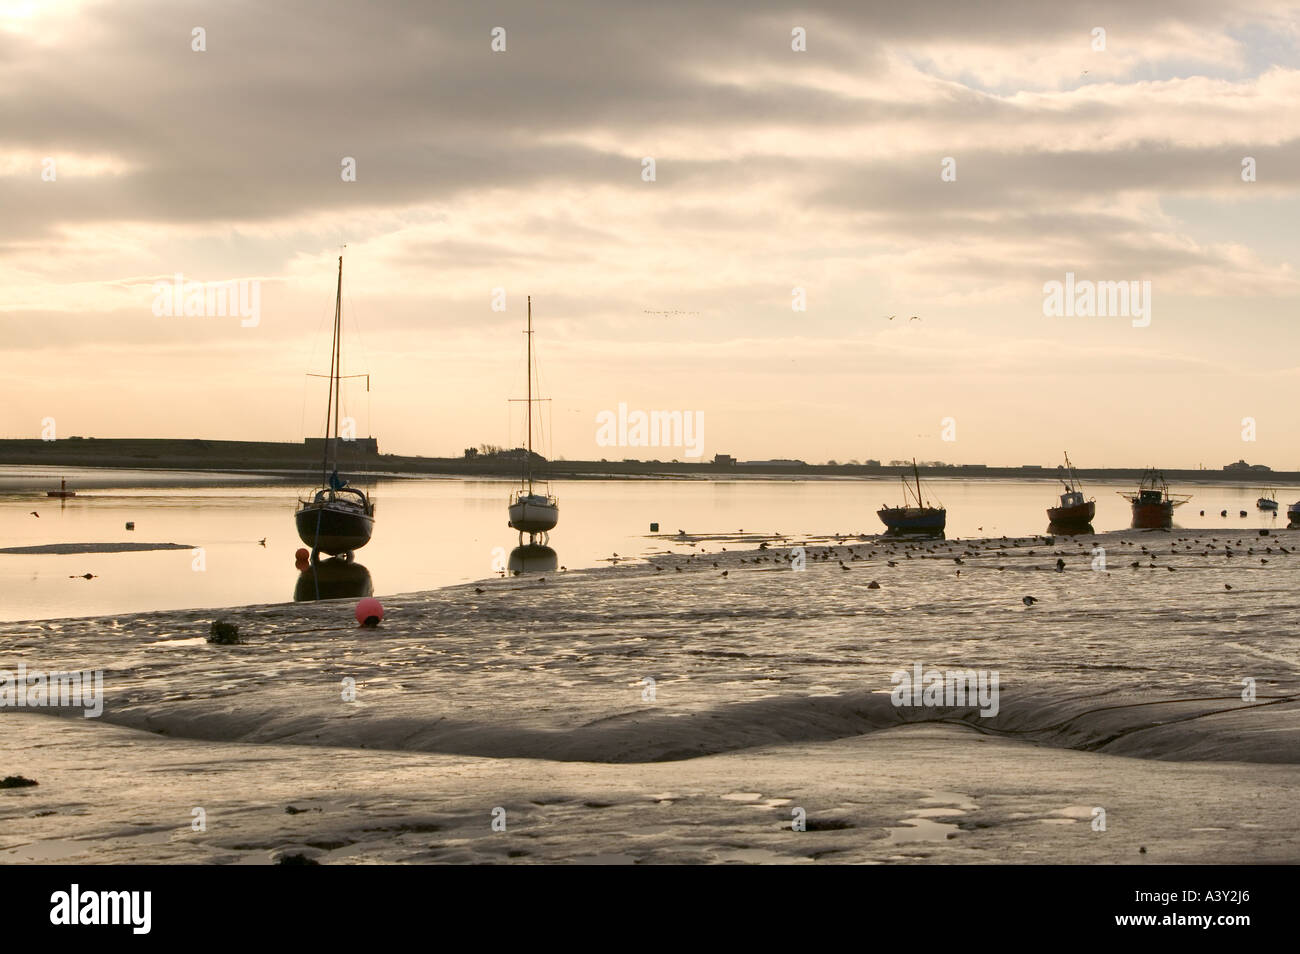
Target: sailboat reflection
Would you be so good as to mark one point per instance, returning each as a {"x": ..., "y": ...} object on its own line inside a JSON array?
[
  {"x": 332, "y": 579},
  {"x": 532, "y": 558}
]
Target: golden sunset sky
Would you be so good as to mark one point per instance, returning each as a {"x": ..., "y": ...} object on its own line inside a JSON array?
[{"x": 775, "y": 169}]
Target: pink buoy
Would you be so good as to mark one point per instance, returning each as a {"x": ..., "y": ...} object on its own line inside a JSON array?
[
  {"x": 369, "y": 612},
  {"x": 301, "y": 555}
]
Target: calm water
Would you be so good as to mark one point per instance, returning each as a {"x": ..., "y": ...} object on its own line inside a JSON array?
[{"x": 434, "y": 531}]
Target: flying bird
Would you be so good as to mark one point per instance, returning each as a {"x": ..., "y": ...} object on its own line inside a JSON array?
[
  {"x": 36, "y": 515},
  {"x": 914, "y": 318}
]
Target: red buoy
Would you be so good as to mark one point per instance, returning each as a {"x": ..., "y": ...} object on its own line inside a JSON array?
[
  {"x": 301, "y": 555},
  {"x": 369, "y": 612}
]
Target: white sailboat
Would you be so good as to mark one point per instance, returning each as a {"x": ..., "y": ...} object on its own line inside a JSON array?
[{"x": 533, "y": 513}]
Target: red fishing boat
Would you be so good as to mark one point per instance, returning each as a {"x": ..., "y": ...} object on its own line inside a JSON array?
[
  {"x": 1153, "y": 504},
  {"x": 1074, "y": 513}
]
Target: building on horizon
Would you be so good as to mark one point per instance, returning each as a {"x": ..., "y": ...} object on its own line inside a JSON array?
[
  {"x": 1242, "y": 467},
  {"x": 363, "y": 445}
]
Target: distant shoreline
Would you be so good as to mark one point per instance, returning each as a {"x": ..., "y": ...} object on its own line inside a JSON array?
[{"x": 297, "y": 463}]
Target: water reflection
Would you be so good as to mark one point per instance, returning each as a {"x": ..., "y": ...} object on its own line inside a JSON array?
[
  {"x": 332, "y": 579},
  {"x": 921, "y": 534},
  {"x": 532, "y": 558},
  {"x": 1070, "y": 530}
]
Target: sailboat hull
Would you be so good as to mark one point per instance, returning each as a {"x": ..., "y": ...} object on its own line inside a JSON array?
[
  {"x": 333, "y": 529},
  {"x": 913, "y": 519},
  {"x": 534, "y": 514}
]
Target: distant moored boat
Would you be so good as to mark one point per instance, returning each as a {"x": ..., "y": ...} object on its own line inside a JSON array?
[
  {"x": 63, "y": 490},
  {"x": 1268, "y": 501}
]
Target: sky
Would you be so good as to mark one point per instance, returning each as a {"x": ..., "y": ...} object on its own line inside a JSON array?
[{"x": 942, "y": 160}]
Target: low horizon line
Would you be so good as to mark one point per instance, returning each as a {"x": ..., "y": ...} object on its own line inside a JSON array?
[{"x": 894, "y": 463}]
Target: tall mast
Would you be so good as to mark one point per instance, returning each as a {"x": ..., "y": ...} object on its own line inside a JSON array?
[
  {"x": 332, "y": 402},
  {"x": 1074, "y": 478},
  {"x": 919, "y": 503},
  {"x": 528, "y": 461},
  {"x": 338, "y": 357}
]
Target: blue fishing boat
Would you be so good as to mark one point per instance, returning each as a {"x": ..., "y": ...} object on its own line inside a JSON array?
[{"x": 921, "y": 518}]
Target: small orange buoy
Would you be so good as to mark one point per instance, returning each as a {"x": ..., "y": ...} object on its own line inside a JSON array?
[
  {"x": 301, "y": 555},
  {"x": 369, "y": 612}
]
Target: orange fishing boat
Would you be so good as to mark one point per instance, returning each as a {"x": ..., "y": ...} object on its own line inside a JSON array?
[{"x": 1153, "y": 504}]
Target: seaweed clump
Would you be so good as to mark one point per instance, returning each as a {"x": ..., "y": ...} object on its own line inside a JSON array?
[{"x": 223, "y": 633}]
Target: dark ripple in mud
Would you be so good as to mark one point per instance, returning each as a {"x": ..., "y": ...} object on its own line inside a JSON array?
[{"x": 1214, "y": 728}]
